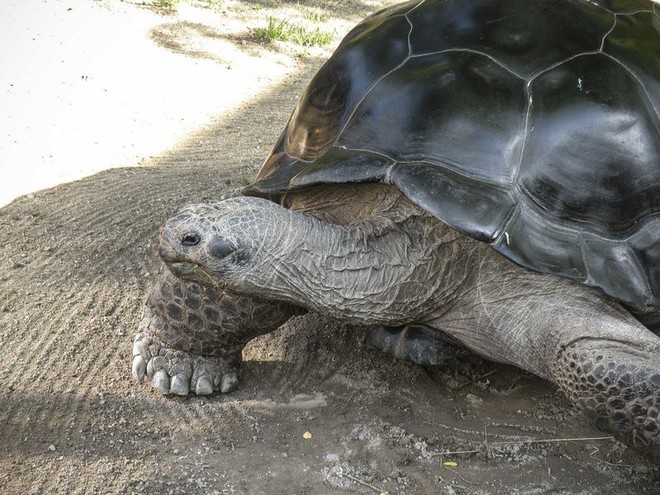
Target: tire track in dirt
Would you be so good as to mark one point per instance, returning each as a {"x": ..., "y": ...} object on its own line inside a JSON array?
[{"x": 71, "y": 309}]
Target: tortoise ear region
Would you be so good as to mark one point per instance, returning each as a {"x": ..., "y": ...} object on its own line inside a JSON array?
[{"x": 219, "y": 247}]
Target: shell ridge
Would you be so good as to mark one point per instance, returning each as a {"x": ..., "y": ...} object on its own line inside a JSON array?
[
  {"x": 639, "y": 11},
  {"x": 526, "y": 132},
  {"x": 588, "y": 276},
  {"x": 406, "y": 15},
  {"x": 562, "y": 62},
  {"x": 387, "y": 178},
  {"x": 371, "y": 88},
  {"x": 474, "y": 52},
  {"x": 602, "y": 41},
  {"x": 502, "y": 230},
  {"x": 410, "y": 32},
  {"x": 448, "y": 165},
  {"x": 362, "y": 150},
  {"x": 638, "y": 80},
  {"x": 636, "y": 11},
  {"x": 602, "y": 7},
  {"x": 415, "y": 7}
]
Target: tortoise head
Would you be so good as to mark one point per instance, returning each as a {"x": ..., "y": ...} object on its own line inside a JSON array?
[{"x": 216, "y": 243}]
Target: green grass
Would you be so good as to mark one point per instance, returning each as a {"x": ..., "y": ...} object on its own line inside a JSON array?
[
  {"x": 163, "y": 6},
  {"x": 211, "y": 4},
  {"x": 315, "y": 16},
  {"x": 284, "y": 30},
  {"x": 168, "y": 4}
]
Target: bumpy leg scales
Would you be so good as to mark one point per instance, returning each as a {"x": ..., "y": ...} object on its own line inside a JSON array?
[
  {"x": 416, "y": 343},
  {"x": 619, "y": 388},
  {"x": 190, "y": 337}
]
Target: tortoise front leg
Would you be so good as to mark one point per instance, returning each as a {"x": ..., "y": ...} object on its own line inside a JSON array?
[{"x": 191, "y": 336}]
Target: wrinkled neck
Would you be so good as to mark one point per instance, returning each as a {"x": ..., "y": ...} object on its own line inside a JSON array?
[{"x": 360, "y": 274}]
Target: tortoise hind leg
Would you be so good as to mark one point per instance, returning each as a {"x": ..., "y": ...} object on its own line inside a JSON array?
[
  {"x": 191, "y": 336},
  {"x": 414, "y": 342},
  {"x": 618, "y": 386},
  {"x": 600, "y": 356}
]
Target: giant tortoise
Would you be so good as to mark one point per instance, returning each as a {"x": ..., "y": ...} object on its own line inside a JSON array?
[{"x": 481, "y": 173}]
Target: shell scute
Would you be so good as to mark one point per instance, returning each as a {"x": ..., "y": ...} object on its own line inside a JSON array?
[
  {"x": 510, "y": 31},
  {"x": 475, "y": 128},
  {"x": 592, "y": 156}
]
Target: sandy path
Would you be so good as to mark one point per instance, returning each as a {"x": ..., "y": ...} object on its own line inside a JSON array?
[{"x": 87, "y": 86}]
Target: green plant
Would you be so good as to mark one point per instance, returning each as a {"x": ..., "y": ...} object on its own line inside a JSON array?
[
  {"x": 284, "y": 30},
  {"x": 166, "y": 3},
  {"x": 315, "y": 16},
  {"x": 275, "y": 30},
  {"x": 211, "y": 4}
]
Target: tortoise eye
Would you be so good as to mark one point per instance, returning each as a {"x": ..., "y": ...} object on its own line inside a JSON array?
[{"x": 191, "y": 239}]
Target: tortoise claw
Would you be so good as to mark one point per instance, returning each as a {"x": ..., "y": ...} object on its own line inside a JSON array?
[
  {"x": 139, "y": 368},
  {"x": 229, "y": 383},
  {"x": 180, "y": 385},
  {"x": 416, "y": 343},
  {"x": 204, "y": 385},
  {"x": 161, "y": 381}
]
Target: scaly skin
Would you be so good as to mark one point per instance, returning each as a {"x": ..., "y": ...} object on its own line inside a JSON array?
[
  {"x": 600, "y": 356},
  {"x": 617, "y": 388},
  {"x": 191, "y": 336},
  {"x": 401, "y": 266}
]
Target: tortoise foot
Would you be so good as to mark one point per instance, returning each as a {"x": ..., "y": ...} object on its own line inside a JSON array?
[
  {"x": 190, "y": 337},
  {"x": 177, "y": 372},
  {"x": 416, "y": 343},
  {"x": 618, "y": 386}
]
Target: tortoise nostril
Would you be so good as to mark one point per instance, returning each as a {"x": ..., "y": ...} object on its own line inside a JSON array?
[
  {"x": 190, "y": 239},
  {"x": 221, "y": 247}
]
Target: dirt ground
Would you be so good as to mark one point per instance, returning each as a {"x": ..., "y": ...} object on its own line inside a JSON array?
[{"x": 76, "y": 263}]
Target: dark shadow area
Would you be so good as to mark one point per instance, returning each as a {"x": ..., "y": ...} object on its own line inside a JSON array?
[{"x": 187, "y": 38}]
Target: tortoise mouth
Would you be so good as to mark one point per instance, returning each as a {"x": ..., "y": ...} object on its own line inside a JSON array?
[
  {"x": 192, "y": 271},
  {"x": 183, "y": 268},
  {"x": 187, "y": 270}
]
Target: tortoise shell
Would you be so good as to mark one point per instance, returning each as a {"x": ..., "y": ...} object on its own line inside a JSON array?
[{"x": 532, "y": 126}]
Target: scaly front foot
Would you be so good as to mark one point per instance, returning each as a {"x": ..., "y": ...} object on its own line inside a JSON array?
[
  {"x": 173, "y": 371},
  {"x": 191, "y": 336}
]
